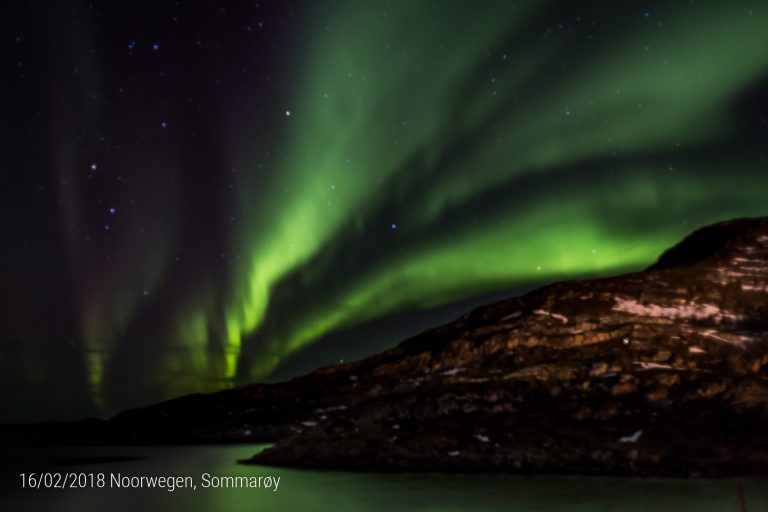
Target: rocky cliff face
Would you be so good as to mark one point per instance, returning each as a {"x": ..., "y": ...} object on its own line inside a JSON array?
[{"x": 662, "y": 372}]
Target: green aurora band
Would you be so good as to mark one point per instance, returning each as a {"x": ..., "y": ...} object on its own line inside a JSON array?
[{"x": 508, "y": 150}]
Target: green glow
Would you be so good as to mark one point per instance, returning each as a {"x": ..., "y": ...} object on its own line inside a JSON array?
[
  {"x": 495, "y": 258},
  {"x": 508, "y": 152},
  {"x": 106, "y": 313},
  {"x": 427, "y": 113}
]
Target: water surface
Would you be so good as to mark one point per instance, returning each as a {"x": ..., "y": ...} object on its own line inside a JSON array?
[{"x": 301, "y": 490}]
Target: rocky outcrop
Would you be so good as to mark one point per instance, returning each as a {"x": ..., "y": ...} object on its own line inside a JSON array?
[{"x": 659, "y": 372}]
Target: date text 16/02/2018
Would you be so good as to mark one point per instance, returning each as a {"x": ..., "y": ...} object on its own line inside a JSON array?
[{"x": 119, "y": 481}]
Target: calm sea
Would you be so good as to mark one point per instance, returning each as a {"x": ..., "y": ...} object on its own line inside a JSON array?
[{"x": 331, "y": 490}]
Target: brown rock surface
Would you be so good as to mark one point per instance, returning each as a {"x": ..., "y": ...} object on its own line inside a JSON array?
[{"x": 659, "y": 372}]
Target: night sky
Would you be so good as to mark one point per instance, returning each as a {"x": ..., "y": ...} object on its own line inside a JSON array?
[{"x": 203, "y": 194}]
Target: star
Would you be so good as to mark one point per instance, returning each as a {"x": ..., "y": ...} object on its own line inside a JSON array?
[
  {"x": 288, "y": 113},
  {"x": 94, "y": 166},
  {"x": 393, "y": 226},
  {"x": 112, "y": 211},
  {"x": 155, "y": 46},
  {"x": 164, "y": 124}
]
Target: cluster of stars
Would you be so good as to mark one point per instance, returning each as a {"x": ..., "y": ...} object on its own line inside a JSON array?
[
  {"x": 132, "y": 45},
  {"x": 93, "y": 166}
]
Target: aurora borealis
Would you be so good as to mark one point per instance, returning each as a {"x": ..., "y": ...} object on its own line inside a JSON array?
[{"x": 197, "y": 192}]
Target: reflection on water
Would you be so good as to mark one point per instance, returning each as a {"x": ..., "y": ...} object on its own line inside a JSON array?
[{"x": 340, "y": 491}]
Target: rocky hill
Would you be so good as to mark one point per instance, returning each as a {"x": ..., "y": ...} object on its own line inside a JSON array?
[{"x": 659, "y": 372}]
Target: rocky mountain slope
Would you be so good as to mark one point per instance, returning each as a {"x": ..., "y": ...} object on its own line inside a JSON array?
[{"x": 661, "y": 372}]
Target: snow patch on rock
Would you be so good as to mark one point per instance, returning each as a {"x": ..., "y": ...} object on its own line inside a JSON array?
[
  {"x": 631, "y": 439},
  {"x": 684, "y": 311},
  {"x": 653, "y": 366},
  {"x": 556, "y": 316}
]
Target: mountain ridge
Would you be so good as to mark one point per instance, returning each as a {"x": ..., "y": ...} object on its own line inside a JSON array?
[{"x": 658, "y": 372}]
